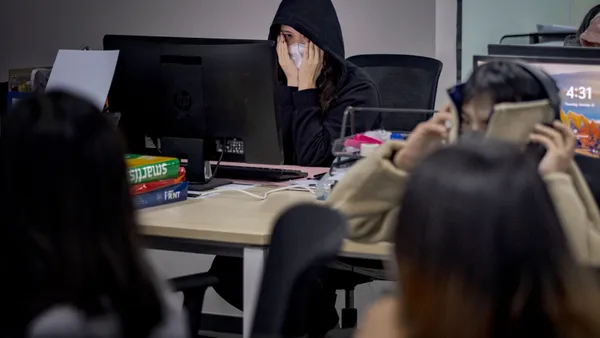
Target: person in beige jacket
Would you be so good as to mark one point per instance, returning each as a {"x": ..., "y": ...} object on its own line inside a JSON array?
[{"x": 501, "y": 100}]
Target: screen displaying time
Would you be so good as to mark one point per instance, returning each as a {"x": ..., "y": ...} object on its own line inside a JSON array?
[
  {"x": 579, "y": 86},
  {"x": 581, "y": 92}
]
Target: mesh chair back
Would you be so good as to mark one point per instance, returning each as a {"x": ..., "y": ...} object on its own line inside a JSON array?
[{"x": 404, "y": 81}]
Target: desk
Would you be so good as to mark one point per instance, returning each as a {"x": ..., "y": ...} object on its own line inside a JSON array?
[{"x": 232, "y": 224}]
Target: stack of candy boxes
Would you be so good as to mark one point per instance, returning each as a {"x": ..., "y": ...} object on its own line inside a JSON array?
[{"x": 156, "y": 180}]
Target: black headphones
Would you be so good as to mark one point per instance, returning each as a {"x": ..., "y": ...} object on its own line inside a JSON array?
[{"x": 547, "y": 83}]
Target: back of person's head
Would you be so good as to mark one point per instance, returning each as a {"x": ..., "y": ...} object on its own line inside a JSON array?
[
  {"x": 481, "y": 252},
  {"x": 68, "y": 224},
  {"x": 502, "y": 81}
]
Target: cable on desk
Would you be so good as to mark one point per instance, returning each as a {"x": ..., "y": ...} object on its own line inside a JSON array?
[
  {"x": 214, "y": 172},
  {"x": 265, "y": 195}
]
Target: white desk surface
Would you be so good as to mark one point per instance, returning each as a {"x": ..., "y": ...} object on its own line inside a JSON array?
[{"x": 233, "y": 217}]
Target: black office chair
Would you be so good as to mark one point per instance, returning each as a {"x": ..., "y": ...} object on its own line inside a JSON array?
[
  {"x": 194, "y": 288},
  {"x": 306, "y": 238},
  {"x": 404, "y": 81}
]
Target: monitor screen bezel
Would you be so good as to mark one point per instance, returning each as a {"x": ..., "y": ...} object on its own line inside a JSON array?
[
  {"x": 545, "y": 51},
  {"x": 535, "y": 59}
]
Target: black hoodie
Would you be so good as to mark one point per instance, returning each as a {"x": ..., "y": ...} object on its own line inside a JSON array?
[{"x": 308, "y": 132}]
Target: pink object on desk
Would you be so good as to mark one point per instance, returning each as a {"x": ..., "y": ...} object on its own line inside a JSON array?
[
  {"x": 311, "y": 171},
  {"x": 359, "y": 139}
]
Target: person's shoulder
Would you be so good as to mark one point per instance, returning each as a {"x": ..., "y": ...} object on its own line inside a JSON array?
[
  {"x": 356, "y": 74},
  {"x": 358, "y": 78}
]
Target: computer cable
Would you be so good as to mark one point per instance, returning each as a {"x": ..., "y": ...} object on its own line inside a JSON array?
[
  {"x": 212, "y": 176},
  {"x": 270, "y": 192}
]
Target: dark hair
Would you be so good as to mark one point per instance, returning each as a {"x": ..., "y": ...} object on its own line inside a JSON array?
[
  {"x": 504, "y": 81},
  {"x": 68, "y": 224},
  {"x": 481, "y": 252},
  {"x": 587, "y": 20},
  {"x": 328, "y": 81}
]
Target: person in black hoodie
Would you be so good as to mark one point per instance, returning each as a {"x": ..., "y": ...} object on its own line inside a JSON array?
[
  {"x": 316, "y": 85},
  {"x": 316, "y": 82}
]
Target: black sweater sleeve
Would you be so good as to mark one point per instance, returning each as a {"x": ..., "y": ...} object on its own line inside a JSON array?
[{"x": 313, "y": 131}]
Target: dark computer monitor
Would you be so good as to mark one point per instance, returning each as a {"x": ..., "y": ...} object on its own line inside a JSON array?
[
  {"x": 579, "y": 84},
  {"x": 544, "y": 51},
  {"x": 217, "y": 90}
]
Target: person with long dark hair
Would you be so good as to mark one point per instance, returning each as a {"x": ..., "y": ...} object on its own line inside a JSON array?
[
  {"x": 480, "y": 252},
  {"x": 316, "y": 82},
  {"x": 71, "y": 256},
  {"x": 500, "y": 100},
  {"x": 316, "y": 85}
]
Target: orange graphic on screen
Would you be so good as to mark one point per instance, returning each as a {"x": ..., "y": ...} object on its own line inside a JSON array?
[{"x": 588, "y": 132}]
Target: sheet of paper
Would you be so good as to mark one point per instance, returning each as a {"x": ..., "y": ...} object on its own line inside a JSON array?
[{"x": 85, "y": 73}]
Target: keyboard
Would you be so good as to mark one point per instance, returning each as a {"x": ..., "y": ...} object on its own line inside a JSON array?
[{"x": 257, "y": 173}]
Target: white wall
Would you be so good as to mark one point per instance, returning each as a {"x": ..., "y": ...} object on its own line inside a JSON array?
[
  {"x": 376, "y": 26},
  {"x": 486, "y": 21},
  {"x": 31, "y": 31}
]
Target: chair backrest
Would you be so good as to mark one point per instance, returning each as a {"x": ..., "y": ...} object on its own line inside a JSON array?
[
  {"x": 404, "y": 81},
  {"x": 306, "y": 238}
]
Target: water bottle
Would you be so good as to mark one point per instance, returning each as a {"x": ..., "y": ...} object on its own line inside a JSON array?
[{"x": 324, "y": 187}]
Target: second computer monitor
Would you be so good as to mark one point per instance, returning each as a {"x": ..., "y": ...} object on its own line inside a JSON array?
[
  {"x": 543, "y": 51},
  {"x": 218, "y": 90},
  {"x": 579, "y": 84}
]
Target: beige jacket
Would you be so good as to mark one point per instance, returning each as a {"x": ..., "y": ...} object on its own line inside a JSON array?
[{"x": 371, "y": 192}]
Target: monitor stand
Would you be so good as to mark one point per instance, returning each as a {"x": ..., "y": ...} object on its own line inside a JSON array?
[
  {"x": 210, "y": 185},
  {"x": 207, "y": 184},
  {"x": 198, "y": 171}
]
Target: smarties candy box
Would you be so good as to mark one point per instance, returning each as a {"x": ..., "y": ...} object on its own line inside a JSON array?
[
  {"x": 142, "y": 188},
  {"x": 143, "y": 169}
]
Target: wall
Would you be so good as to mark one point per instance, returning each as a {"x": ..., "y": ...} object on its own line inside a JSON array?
[
  {"x": 32, "y": 31},
  {"x": 377, "y": 26},
  {"x": 486, "y": 21}
]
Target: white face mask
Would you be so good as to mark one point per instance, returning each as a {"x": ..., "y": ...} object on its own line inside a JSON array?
[{"x": 296, "y": 52}]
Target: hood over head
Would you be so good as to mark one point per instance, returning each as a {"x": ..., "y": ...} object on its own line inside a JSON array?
[{"x": 317, "y": 20}]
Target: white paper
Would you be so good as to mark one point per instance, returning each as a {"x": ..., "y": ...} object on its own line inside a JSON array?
[{"x": 85, "y": 73}]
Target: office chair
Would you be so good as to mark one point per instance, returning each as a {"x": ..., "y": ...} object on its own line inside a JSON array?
[
  {"x": 306, "y": 238},
  {"x": 404, "y": 81},
  {"x": 194, "y": 288}
]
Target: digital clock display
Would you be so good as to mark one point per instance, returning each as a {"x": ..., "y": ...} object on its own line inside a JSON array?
[
  {"x": 580, "y": 108},
  {"x": 581, "y": 93}
]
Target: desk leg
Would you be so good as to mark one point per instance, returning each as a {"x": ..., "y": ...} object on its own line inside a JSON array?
[{"x": 254, "y": 260}]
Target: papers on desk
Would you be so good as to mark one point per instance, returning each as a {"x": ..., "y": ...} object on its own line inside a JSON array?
[{"x": 84, "y": 73}]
